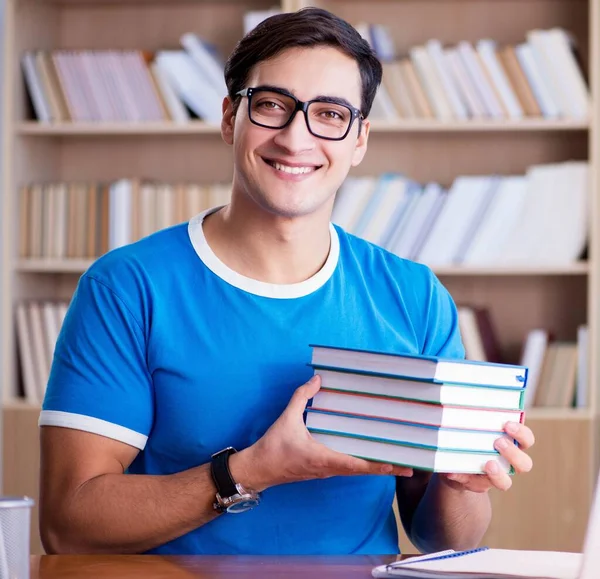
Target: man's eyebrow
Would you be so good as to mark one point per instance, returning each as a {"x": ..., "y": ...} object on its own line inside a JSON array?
[
  {"x": 334, "y": 100},
  {"x": 325, "y": 98}
]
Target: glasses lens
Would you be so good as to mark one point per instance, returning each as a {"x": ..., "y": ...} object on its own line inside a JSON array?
[
  {"x": 271, "y": 109},
  {"x": 329, "y": 120}
]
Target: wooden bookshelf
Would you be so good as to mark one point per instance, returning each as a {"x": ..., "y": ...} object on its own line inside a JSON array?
[{"x": 547, "y": 508}]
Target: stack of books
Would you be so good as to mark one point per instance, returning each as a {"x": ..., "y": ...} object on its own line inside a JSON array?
[{"x": 428, "y": 413}]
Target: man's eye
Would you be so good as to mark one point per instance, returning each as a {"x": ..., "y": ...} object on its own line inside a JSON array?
[
  {"x": 331, "y": 115},
  {"x": 269, "y": 105}
]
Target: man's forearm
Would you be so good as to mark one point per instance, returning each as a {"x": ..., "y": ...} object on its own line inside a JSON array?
[
  {"x": 123, "y": 513},
  {"x": 447, "y": 518}
]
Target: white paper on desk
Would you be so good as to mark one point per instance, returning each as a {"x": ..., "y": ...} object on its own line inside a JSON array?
[{"x": 492, "y": 564}]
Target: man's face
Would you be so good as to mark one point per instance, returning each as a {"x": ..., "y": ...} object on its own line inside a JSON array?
[{"x": 262, "y": 155}]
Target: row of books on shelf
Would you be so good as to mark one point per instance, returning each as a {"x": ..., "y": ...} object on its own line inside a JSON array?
[
  {"x": 37, "y": 327},
  {"x": 539, "y": 77},
  {"x": 540, "y": 218},
  {"x": 126, "y": 85},
  {"x": 417, "y": 411},
  {"x": 85, "y": 220},
  {"x": 558, "y": 376}
]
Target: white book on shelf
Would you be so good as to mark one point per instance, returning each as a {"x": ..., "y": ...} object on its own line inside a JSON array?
[
  {"x": 104, "y": 66},
  {"x": 35, "y": 88},
  {"x": 498, "y": 222},
  {"x": 459, "y": 210},
  {"x": 534, "y": 351},
  {"x": 51, "y": 328},
  {"x": 190, "y": 85},
  {"x": 392, "y": 196},
  {"x": 537, "y": 82},
  {"x": 26, "y": 355},
  {"x": 583, "y": 360},
  {"x": 403, "y": 216},
  {"x": 486, "y": 49},
  {"x": 422, "y": 209},
  {"x": 436, "y": 53},
  {"x": 120, "y": 213},
  {"x": 431, "y": 83},
  {"x": 351, "y": 200},
  {"x": 561, "y": 46},
  {"x": 550, "y": 69},
  {"x": 38, "y": 347},
  {"x": 471, "y": 336},
  {"x": 176, "y": 109},
  {"x": 474, "y": 69},
  {"x": 210, "y": 66},
  {"x": 465, "y": 85}
]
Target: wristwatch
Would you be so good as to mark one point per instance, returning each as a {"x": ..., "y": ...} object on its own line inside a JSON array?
[{"x": 231, "y": 497}]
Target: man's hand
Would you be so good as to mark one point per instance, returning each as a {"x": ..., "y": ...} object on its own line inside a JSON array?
[
  {"x": 288, "y": 453},
  {"x": 494, "y": 476}
]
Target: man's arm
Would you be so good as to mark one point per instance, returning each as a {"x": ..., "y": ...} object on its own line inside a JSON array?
[
  {"x": 88, "y": 504},
  {"x": 438, "y": 515}
]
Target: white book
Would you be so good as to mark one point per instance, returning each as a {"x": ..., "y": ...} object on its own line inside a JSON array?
[
  {"x": 26, "y": 354},
  {"x": 498, "y": 223},
  {"x": 35, "y": 88},
  {"x": 177, "y": 111},
  {"x": 487, "y": 52},
  {"x": 431, "y": 82},
  {"x": 412, "y": 456},
  {"x": 550, "y": 70},
  {"x": 536, "y": 344},
  {"x": 475, "y": 71},
  {"x": 537, "y": 82},
  {"x": 457, "y": 214},
  {"x": 351, "y": 200},
  {"x": 436, "y": 53},
  {"x": 119, "y": 214},
  {"x": 583, "y": 360},
  {"x": 560, "y": 47},
  {"x": 190, "y": 85},
  {"x": 465, "y": 85},
  {"x": 211, "y": 69}
]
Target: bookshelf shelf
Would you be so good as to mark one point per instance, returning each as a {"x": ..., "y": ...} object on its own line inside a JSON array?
[
  {"x": 80, "y": 265},
  {"x": 199, "y": 128}
]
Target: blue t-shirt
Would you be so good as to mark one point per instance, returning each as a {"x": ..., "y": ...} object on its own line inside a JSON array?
[{"x": 167, "y": 349}]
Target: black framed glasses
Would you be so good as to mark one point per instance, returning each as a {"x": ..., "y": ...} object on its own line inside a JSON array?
[{"x": 326, "y": 117}]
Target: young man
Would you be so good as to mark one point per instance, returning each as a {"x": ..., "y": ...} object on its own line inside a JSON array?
[{"x": 197, "y": 338}]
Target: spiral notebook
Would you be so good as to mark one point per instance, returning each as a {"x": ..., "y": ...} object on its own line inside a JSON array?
[{"x": 504, "y": 563}]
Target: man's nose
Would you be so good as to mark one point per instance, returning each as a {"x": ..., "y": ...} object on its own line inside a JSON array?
[{"x": 296, "y": 137}]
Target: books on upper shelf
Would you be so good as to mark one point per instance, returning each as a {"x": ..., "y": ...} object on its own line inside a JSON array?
[
  {"x": 38, "y": 325},
  {"x": 66, "y": 220},
  {"x": 537, "y": 219},
  {"x": 424, "y": 412},
  {"x": 539, "y": 77},
  {"x": 126, "y": 85}
]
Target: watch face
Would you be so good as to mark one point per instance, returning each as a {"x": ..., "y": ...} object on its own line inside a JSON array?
[{"x": 243, "y": 506}]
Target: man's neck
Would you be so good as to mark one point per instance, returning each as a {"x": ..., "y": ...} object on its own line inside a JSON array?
[{"x": 267, "y": 247}]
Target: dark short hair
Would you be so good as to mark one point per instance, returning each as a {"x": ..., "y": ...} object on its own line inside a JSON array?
[{"x": 308, "y": 27}]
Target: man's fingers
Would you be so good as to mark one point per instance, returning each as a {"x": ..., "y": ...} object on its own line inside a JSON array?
[
  {"x": 304, "y": 393},
  {"x": 521, "y": 433},
  {"x": 514, "y": 455},
  {"x": 497, "y": 476}
]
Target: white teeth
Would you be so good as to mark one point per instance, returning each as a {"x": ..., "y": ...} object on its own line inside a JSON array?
[{"x": 292, "y": 170}]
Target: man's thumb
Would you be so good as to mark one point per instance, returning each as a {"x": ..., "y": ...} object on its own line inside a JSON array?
[{"x": 305, "y": 392}]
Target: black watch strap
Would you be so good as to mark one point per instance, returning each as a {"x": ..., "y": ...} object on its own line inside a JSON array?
[{"x": 221, "y": 475}]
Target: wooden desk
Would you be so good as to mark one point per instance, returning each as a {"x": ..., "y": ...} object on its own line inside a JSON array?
[{"x": 207, "y": 567}]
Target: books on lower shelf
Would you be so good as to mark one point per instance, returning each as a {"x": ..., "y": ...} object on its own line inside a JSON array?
[
  {"x": 423, "y": 412},
  {"x": 536, "y": 219},
  {"x": 37, "y": 325}
]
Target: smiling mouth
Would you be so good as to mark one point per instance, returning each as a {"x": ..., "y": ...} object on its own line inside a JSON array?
[{"x": 297, "y": 170}]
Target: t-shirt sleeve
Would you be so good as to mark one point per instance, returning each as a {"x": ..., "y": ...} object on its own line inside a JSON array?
[
  {"x": 442, "y": 334},
  {"x": 99, "y": 381}
]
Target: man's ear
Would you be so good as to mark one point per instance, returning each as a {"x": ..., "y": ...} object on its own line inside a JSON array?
[
  {"x": 361, "y": 143},
  {"x": 227, "y": 121}
]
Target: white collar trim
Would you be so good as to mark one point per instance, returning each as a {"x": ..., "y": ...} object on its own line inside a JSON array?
[{"x": 253, "y": 286}]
